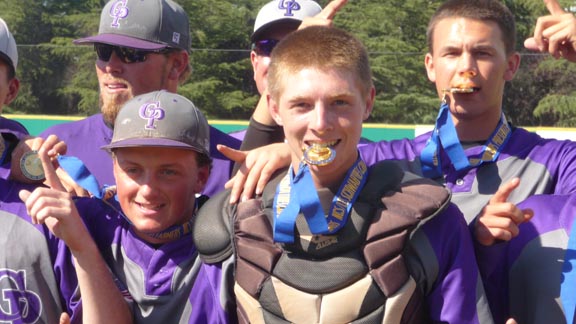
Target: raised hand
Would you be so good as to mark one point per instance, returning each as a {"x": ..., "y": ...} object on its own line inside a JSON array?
[
  {"x": 555, "y": 33},
  {"x": 52, "y": 145},
  {"x": 54, "y": 207},
  {"x": 326, "y": 16},
  {"x": 257, "y": 168},
  {"x": 499, "y": 219}
]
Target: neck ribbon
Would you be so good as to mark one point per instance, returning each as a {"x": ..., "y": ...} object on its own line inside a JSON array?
[
  {"x": 444, "y": 137},
  {"x": 289, "y": 203}
]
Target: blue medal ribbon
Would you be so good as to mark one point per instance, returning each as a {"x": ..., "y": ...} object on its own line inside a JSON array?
[
  {"x": 346, "y": 196},
  {"x": 567, "y": 287},
  {"x": 80, "y": 174},
  {"x": 289, "y": 203},
  {"x": 174, "y": 232},
  {"x": 445, "y": 137}
]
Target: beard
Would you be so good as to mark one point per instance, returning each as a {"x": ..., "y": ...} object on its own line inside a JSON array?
[{"x": 110, "y": 105}]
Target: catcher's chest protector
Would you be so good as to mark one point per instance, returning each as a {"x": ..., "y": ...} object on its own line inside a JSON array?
[{"x": 358, "y": 275}]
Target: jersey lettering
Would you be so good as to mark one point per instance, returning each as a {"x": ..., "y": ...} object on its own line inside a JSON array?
[{"x": 17, "y": 305}]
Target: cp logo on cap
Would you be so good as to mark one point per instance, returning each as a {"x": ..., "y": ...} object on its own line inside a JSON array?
[
  {"x": 118, "y": 11},
  {"x": 289, "y": 6},
  {"x": 151, "y": 112}
]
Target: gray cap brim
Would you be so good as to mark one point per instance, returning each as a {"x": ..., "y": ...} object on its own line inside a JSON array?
[{"x": 151, "y": 142}]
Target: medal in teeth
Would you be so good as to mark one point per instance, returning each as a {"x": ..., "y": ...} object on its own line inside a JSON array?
[{"x": 319, "y": 154}]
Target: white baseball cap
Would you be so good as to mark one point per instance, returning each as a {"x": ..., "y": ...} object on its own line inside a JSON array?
[
  {"x": 8, "y": 50},
  {"x": 283, "y": 11}
]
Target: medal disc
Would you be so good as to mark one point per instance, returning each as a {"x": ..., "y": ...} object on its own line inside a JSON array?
[
  {"x": 319, "y": 155},
  {"x": 31, "y": 166}
]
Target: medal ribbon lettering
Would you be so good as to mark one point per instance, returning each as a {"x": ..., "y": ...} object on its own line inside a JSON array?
[
  {"x": 444, "y": 137},
  {"x": 289, "y": 203},
  {"x": 346, "y": 196}
]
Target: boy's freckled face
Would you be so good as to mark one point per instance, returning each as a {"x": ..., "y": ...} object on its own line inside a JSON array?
[
  {"x": 157, "y": 186},
  {"x": 323, "y": 107}
]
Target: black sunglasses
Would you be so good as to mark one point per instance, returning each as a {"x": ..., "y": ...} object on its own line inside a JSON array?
[
  {"x": 264, "y": 47},
  {"x": 125, "y": 54}
]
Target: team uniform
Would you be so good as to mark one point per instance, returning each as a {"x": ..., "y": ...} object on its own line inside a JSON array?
[
  {"x": 13, "y": 127},
  {"x": 85, "y": 138},
  {"x": 545, "y": 166},
  {"x": 163, "y": 284},
  {"x": 403, "y": 256},
  {"x": 537, "y": 266},
  {"x": 34, "y": 278}
]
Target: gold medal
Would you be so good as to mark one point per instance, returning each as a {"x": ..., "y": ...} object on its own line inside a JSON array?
[
  {"x": 318, "y": 154},
  {"x": 31, "y": 166}
]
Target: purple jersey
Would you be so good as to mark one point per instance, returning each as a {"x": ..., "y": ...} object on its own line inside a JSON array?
[
  {"x": 439, "y": 254},
  {"x": 532, "y": 266},
  {"x": 13, "y": 127},
  {"x": 544, "y": 166},
  {"x": 163, "y": 284},
  {"x": 37, "y": 282},
  {"x": 85, "y": 138}
]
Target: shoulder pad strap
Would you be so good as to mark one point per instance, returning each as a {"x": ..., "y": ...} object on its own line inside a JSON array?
[{"x": 212, "y": 229}]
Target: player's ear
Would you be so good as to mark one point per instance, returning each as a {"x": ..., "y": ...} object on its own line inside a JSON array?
[
  {"x": 273, "y": 109},
  {"x": 369, "y": 103},
  {"x": 201, "y": 178},
  {"x": 180, "y": 61},
  {"x": 512, "y": 66},
  {"x": 13, "y": 88},
  {"x": 429, "y": 64}
]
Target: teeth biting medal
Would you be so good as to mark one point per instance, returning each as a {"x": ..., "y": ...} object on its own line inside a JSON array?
[{"x": 319, "y": 154}]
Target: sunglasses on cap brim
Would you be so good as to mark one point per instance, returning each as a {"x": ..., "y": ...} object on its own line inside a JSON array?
[
  {"x": 125, "y": 54},
  {"x": 264, "y": 47}
]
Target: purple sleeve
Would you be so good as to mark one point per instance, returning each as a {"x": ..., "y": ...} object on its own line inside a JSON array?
[
  {"x": 404, "y": 149},
  {"x": 65, "y": 274},
  {"x": 13, "y": 126},
  {"x": 217, "y": 309},
  {"x": 558, "y": 157},
  {"x": 566, "y": 167},
  {"x": 221, "y": 165},
  {"x": 457, "y": 295},
  {"x": 493, "y": 269}
]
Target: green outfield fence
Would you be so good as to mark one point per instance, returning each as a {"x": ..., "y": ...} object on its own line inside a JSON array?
[{"x": 375, "y": 132}]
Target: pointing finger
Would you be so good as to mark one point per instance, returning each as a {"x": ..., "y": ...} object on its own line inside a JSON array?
[
  {"x": 330, "y": 11},
  {"x": 234, "y": 155},
  {"x": 504, "y": 191},
  {"x": 554, "y": 7},
  {"x": 49, "y": 171}
]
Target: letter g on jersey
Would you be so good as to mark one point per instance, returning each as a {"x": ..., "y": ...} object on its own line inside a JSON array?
[{"x": 17, "y": 305}]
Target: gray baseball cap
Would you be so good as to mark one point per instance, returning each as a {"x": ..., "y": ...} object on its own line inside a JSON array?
[
  {"x": 277, "y": 11},
  {"x": 8, "y": 50},
  {"x": 161, "y": 119},
  {"x": 142, "y": 24}
]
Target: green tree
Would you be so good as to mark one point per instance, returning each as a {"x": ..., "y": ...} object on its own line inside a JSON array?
[{"x": 58, "y": 77}]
